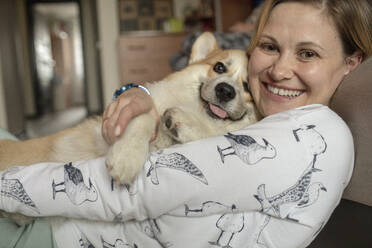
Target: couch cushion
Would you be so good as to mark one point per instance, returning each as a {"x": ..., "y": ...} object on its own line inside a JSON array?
[{"x": 353, "y": 102}]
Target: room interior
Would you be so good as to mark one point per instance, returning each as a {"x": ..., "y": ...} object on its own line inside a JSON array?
[
  {"x": 61, "y": 60},
  {"x": 71, "y": 55}
]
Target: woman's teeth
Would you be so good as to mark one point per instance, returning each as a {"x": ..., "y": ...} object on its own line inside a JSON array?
[{"x": 283, "y": 92}]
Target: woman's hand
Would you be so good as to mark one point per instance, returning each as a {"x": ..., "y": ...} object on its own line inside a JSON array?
[{"x": 127, "y": 106}]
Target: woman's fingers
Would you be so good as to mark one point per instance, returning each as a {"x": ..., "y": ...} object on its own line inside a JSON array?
[
  {"x": 109, "y": 110},
  {"x": 119, "y": 113},
  {"x": 110, "y": 122},
  {"x": 138, "y": 105},
  {"x": 107, "y": 114}
]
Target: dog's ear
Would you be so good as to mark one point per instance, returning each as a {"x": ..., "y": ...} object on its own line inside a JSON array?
[{"x": 203, "y": 46}]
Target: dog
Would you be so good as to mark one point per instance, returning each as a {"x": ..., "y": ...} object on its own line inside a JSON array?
[{"x": 209, "y": 97}]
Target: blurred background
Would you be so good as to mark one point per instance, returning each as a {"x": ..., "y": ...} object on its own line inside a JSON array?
[{"x": 60, "y": 61}]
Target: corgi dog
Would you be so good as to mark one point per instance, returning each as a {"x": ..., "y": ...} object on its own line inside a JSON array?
[{"x": 209, "y": 97}]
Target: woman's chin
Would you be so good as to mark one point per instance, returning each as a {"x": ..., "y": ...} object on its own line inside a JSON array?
[{"x": 276, "y": 108}]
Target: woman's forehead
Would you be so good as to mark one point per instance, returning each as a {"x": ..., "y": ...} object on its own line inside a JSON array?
[
  {"x": 302, "y": 23},
  {"x": 299, "y": 14}
]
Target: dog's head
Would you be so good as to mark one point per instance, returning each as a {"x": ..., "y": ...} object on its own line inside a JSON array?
[{"x": 223, "y": 75}]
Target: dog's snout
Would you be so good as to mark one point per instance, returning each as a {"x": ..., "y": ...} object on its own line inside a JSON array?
[{"x": 224, "y": 92}]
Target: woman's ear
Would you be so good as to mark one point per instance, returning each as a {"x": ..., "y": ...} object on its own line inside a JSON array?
[{"x": 353, "y": 61}]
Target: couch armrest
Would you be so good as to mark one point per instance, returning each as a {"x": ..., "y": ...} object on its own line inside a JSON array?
[{"x": 353, "y": 102}]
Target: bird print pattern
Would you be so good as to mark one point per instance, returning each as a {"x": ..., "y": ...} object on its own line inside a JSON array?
[
  {"x": 74, "y": 186},
  {"x": 84, "y": 242},
  {"x": 13, "y": 188},
  {"x": 175, "y": 161},
  {"x": 247, "y": 149},
  {"x": 311, "y": 194},
  {"x": 259, "y": 242},
  {"x": 229, "y": 223},
  {"x": 151, "y": 228},
  {"x": 308, "y": 135},
  {"x": 304, "y": 192},
  {"x": 119, "y": 243},
  {"x": 208, "y": 208},
  {"x": 297, "y": 194}
]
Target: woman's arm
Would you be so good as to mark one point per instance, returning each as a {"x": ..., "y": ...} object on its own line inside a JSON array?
[
  {"x": 282, "y": 166},
  {"x": 78, "y": 190}
]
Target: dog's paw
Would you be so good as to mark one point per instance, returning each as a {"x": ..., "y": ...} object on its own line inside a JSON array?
[
  {"x": 125, "y": 163},
  {"x": 179, "y": 125},
  {"x": 171, "y": 122}
]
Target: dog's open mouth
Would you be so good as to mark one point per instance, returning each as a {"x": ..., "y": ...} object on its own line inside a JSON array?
[
  {"x": 212, "y": 109},
  {"x": 217, "y": 111}
]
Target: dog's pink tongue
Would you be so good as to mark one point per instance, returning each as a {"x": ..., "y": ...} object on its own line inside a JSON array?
[{"x": 218, "y": 111}]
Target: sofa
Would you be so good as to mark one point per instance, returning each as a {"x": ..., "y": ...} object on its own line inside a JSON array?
[{"x": 350, "y": 226}]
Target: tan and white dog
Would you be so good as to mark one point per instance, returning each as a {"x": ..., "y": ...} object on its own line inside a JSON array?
[{"x": 207, "y": 98}]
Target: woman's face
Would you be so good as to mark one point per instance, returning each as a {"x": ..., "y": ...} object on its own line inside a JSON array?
[{"x": 298, "y": 61}]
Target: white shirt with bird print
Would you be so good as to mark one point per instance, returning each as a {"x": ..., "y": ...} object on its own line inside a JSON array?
[{"x": 274, "y": 183}]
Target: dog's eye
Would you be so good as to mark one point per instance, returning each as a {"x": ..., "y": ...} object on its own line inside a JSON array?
[
  {"x": 220, "y": 68},
  {"x": 246, "y": 87}
]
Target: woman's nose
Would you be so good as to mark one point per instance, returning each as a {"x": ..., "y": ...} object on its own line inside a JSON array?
[{"x": 281, "y": 69}]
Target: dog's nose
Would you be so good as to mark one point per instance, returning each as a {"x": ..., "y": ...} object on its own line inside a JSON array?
[{"x": 224, "y": 92}]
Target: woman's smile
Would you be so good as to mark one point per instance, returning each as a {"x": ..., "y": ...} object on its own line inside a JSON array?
[{"x": 281, "y": 92}]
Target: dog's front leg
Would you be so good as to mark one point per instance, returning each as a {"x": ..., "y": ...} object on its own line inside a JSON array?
[
  {"x": 184, "y": 126},
  {"x": 128, "y": 154}
]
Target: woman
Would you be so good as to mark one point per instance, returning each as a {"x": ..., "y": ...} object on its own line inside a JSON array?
[{"x": 272, "y": 184}]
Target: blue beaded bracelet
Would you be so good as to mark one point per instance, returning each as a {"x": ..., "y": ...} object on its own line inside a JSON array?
[{"x": 126, "y": 87}]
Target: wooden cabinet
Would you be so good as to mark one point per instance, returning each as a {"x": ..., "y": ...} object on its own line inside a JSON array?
[
  {"x": 229, "y": 12},
  {"x": 144, "y": 57}
]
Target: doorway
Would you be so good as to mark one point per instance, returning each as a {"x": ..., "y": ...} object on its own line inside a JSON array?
[{"x": 57, "y": 63}]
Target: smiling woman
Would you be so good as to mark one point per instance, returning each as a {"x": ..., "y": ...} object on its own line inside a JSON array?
[
  {"x": 299, "y": 61},
  {"x": 274, "y": 183},
  {"x": 301, "y": 51}
]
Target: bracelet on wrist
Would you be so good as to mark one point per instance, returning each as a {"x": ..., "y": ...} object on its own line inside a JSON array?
[{"x": 126, "y": 87}]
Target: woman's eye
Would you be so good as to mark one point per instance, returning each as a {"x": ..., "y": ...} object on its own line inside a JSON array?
[
  {"x": 308, "y": 54},
  {"x": 268, "y": 47}
]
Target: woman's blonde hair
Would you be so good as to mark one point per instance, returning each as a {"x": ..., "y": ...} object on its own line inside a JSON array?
[{"x": 353, "y": 20}]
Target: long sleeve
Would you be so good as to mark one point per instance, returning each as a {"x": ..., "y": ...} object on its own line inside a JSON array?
[{"x": 281, "y": 166}]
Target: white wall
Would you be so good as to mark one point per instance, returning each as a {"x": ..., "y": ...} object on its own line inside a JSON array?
[
  {"x": 108, "y": 31},
  {"x": 3, "y": 118}
]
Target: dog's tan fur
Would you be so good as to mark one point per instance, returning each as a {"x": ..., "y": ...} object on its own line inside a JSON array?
[
  {"x": 44, "y": 149},
  {"x": 181, "y": 99}
]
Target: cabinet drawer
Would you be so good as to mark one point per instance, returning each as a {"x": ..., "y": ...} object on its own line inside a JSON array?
[
  {"x": 144, "y": 70},
  {"x": 146, "y": 57},
  {"x": 149, "y": 46}
]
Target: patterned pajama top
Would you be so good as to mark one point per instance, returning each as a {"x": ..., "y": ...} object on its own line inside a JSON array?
[{"x": 272, "y": 184}]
